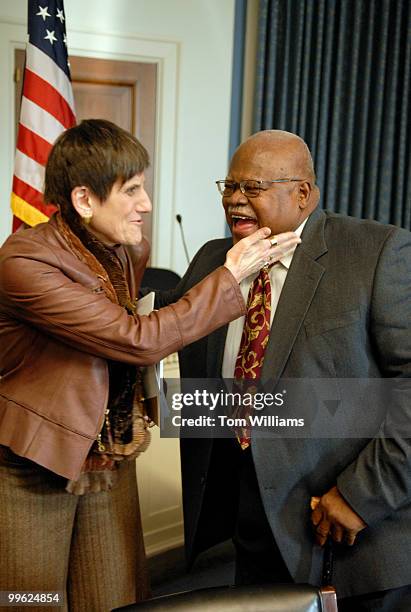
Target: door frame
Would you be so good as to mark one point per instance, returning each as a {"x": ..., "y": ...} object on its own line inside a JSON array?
[{"x": 115, "y": 46}]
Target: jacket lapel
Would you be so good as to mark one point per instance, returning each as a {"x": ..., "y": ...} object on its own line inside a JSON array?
[
  {"x": 216, "y": 340},
  {"x": 299, "y": 289}
]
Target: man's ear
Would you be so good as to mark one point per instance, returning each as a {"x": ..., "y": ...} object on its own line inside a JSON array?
[
  {"x": 80, "y": 198},
  {"x": 304, "y": 193}
]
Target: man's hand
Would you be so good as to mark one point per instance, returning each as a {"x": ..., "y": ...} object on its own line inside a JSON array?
[{"x": 332, "y": 515}]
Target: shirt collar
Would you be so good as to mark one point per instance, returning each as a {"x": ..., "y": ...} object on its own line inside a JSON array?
[{"x": 287, "y": 259}]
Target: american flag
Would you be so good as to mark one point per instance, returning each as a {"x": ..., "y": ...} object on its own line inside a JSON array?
[{"x": 47, "y": 109}]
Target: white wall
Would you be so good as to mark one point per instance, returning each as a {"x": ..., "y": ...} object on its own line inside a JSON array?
[{"x": 193, "y": 40}]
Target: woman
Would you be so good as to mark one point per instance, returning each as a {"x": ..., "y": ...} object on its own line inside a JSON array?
[{"x": 71, "y": 346}]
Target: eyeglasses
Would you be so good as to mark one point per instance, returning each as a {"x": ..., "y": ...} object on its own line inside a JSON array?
[{"x": 250, "y": 188}]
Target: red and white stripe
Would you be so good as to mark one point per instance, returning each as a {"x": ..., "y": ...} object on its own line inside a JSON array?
[{"x": 47, "y": 109}]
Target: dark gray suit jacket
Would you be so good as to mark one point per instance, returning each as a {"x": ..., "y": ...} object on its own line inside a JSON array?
[{"x": 344, "y": 312}]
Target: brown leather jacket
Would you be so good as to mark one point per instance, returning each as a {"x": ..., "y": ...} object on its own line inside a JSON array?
[{"x": 57, "y": 329}]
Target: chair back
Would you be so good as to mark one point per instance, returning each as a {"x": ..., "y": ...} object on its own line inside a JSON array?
[
  {"x": 255, "y": 598},
  {"x": 160, "y": 278}
]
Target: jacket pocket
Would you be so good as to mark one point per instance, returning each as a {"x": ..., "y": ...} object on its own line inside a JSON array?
[{"x": 341, "y": 320}]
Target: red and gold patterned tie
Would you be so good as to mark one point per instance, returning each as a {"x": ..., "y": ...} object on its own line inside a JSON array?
[{"x": 254, "y": 340}]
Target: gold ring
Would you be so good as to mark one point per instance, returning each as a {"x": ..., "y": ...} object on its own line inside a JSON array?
[{"x": 273, "y": 241}]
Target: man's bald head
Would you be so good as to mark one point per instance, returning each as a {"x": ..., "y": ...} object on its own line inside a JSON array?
[{"x": 296, "y": 160}]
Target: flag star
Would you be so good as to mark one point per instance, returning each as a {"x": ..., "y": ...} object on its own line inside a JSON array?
[
  {"x": 65, "y": 39},
  {"x": 60, "y": 15},
  {"x": 43, "y": 12},
  {"x": 50, "y": 36}
]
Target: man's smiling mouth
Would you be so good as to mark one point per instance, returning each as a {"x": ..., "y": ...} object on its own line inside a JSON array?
[{"x": 238, "y": 219}]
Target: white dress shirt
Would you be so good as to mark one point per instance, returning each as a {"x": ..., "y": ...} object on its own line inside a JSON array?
[{"x": 278, "y": 274}]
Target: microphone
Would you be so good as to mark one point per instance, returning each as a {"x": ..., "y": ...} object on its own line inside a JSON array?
[{"x": 179, "y": 220}]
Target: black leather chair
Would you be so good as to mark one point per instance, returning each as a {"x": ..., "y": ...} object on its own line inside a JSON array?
[
  {"x": 264, "y": 598},
  {"x": 160, "y": 278}
]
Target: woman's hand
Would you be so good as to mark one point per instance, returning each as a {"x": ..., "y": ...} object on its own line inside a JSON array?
[{"x": 253, "y": 252}]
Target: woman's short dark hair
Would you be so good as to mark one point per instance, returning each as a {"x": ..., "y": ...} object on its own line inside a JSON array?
[{"x": 96, "y": 153}]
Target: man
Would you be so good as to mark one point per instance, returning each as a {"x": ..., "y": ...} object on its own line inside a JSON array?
[{"x": 340, "y": 308}]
